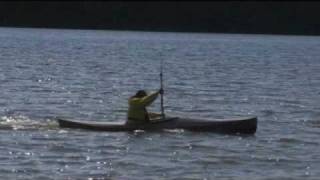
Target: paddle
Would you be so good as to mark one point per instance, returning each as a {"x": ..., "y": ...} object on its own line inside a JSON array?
[{"x": 161, "y": 87}]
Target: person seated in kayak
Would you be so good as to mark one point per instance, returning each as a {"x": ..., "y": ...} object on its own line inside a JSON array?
[{"x": 137, "y": 112}]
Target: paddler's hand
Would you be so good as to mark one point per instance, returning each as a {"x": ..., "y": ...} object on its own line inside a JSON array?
[{"x": 161, "y": 91}]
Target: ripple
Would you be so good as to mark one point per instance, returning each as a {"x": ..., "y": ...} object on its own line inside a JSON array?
[{"x": 24, "y": 123}]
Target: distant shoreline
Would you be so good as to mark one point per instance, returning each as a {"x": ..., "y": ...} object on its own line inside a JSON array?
[
  {"x": 156, "y": 31},
  {"x": 236, "y": 17}
]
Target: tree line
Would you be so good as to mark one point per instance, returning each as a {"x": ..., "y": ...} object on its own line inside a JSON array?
[{"x": 226, "y": 17}]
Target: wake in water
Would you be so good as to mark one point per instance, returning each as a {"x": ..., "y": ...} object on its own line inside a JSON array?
[{"x": 25, "y": 123}]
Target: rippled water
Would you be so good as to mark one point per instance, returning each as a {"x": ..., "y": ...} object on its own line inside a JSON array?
[{"x": 82, "y": 74}]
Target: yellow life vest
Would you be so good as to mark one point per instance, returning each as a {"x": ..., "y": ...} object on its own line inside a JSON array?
[{"x": 137, "y": 107}]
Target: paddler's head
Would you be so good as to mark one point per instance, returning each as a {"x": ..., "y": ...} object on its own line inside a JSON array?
[{"x": 140, "y": 94}]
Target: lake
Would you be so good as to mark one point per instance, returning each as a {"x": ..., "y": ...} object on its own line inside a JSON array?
[{"x": 90, "y": 74}]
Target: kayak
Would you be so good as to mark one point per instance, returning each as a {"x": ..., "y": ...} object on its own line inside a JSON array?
[
  {"x": 242, "y": 125},
  {"x": 247, "y": 125}
]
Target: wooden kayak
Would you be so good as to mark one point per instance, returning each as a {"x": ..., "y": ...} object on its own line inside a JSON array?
[{"x": 247, "y": 125}]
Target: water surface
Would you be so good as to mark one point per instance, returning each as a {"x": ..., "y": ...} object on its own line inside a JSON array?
[{"x": 89, "y": 75}]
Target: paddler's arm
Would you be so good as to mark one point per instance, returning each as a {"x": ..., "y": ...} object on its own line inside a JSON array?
[{"x": 146, "y": 101}]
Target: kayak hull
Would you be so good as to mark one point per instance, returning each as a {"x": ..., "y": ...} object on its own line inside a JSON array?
[{"x": 247, "y": 125}]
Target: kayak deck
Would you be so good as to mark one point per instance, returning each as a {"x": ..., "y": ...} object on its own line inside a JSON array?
[{"x": 247, "y": 125}]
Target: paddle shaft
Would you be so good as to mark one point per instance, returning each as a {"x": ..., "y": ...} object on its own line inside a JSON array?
[{"x": 161, "y": 87}]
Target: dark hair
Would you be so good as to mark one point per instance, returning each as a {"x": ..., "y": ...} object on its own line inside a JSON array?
[{"x": 140, "y": 94}]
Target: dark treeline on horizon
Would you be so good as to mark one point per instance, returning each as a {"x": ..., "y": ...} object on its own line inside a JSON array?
[{"x": 226, "y": 17}]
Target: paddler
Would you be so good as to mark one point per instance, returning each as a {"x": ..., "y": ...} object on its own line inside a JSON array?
[{"x": 137, "y": 112}]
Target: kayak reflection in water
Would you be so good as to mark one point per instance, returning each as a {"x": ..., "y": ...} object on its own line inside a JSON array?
[{"x": 137, "y": 112}]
